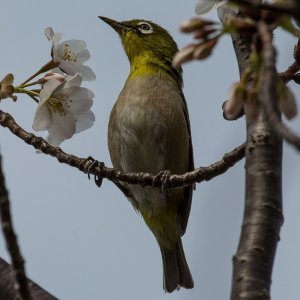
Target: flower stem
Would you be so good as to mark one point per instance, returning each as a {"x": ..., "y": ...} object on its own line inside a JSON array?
[
  {"x": 34, "y": 99},
  {"x": 32, "y": 94},
  {"x": 47, "y": 67},
  {"x": 29, "y": 84}
]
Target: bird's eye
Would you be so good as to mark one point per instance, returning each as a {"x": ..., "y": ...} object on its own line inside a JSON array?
[{"x": 145, "y": 28}]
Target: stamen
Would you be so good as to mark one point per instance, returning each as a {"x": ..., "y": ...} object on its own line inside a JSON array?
[
  {"x": 68, "y": 54},
  {"x": 58, "y": 104}
]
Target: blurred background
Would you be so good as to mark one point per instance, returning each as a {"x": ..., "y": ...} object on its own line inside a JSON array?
[{"x": 82, "y": 242}]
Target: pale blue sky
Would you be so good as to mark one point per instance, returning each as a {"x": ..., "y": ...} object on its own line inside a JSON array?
[{"x": 81, "y": 242}]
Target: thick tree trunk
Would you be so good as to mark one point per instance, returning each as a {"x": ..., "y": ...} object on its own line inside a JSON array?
[{"x": 253, "y": 262}]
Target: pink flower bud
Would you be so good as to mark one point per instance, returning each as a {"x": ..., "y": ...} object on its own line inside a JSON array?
[
  {"x": 234, "y": 105},
  {"x": 50, "y": 76},
  {"x": 184, "y": 55},
  {"x": 204, "y": 49},
  {"x": 195, "y": 24}
]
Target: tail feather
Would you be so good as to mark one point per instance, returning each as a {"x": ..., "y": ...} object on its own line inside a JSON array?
[
  {"x": 176, "y": 270},
  {"x": 185, "y": 276}
]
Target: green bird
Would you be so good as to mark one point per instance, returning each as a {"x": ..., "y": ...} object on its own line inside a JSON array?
[{"x": 149, "y": 131}]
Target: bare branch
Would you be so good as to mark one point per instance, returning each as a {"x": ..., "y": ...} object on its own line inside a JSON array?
[
  {"x": 98, "y": 169},
  {"x": 290, "y": 73},
  {"x": 7, "y": 285},
  {"x": 270, "y": 98},
  {"x": 21, "y": 285}
]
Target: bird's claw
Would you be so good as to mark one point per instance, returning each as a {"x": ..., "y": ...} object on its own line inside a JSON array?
[
  {"x": 164, "y": 176},
  {"x": 98, "y": 179}
]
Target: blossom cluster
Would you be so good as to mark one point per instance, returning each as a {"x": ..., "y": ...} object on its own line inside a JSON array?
[{"x": 65, "y": 107}]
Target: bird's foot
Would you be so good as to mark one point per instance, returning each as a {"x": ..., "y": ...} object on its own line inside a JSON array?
[
  {"x": 164, "y": 176},
  {"x": 97, "y": 178}
]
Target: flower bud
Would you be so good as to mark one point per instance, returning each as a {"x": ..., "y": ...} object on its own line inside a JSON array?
[
  {"x": 50, "y": 76},
  {"x": 234, "y": 105},
  {"x": 204, "y": 33},
  {"x": 7, "y": 88},
  {"x": 184, "y": 55},
  {"x": 204, "y": 50},
  {"x": 195, "y": 24}
]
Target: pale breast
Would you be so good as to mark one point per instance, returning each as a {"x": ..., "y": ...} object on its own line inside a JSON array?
[
  {"x": 147, "y": 124},
  {"x": 148, "y": 130}
]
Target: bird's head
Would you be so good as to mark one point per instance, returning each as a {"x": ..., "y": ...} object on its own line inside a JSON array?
[{"x": 146, "y": 42}]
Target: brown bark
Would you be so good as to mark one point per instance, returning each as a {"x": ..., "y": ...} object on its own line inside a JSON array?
[
  {"x": 7, "y": 283},
  {"x": 87, "y": 165},
  {"x": 253, "y": 262}
]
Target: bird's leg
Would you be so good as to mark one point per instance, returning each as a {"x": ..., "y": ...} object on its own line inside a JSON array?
[
  {"x": 98, "y": 179},
  {"x": 164, "y": 176}
]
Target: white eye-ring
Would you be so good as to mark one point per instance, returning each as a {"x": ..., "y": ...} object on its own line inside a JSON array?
[{"x": 145, "y": 28}]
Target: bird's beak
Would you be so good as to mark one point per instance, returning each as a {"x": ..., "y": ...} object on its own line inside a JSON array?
[{"x": 117, "y": 26}]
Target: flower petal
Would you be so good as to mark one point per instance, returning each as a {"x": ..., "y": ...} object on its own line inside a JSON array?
[
  {"x": 81, "y": 99},
  {"x": 55, "y": 40},
  {"x": 74, "y": 80},
  {"x": 204, "y": 6},
  {"x": 43, "y": 118},
  {"x": 85, "y": 121},
  {"x": 68, "y": 50},
  {"x": 83, "y": 56},
  {"x": 75, "y": 46},
  {"x": 73, "y": 68},
  {"x": 49, "y": 33},
  {"x": 87, "y": 73},
  {"x": 48, "y": 88},
  {"x": 63, "y": 127}
]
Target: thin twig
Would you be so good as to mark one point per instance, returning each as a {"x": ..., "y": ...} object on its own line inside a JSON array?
[
  {"x": 290, "y": 73},
  {"x": 98, "y": 169},
  {"x": 21, "y": 285},
  {"x": 270, "y": 98}
]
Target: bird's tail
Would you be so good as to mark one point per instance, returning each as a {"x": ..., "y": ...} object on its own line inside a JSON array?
[{"x": 176, "y": 270}]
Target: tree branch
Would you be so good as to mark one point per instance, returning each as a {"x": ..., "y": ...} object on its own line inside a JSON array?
[
  {"x": 253, "y": 262},
  {"x": 21, "y": 286},
  {"x": 270, "y": 98},
  {"x": 98, "y": 169},
  {"x": 291, "y": 10},
  {"x": 7, "y": 285},
  {"x": 293, "y": 69}
]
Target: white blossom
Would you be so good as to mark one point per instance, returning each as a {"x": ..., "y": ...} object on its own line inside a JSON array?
[
  {"x": 204, "y": 6},
  {"x": 64, "y": 109},
  {"x": 70, "y": 55}
]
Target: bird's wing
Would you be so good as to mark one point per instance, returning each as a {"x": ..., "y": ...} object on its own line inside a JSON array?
[{"x": 185, "y": 204}]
